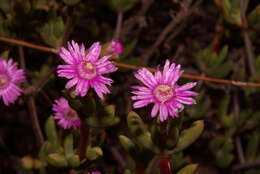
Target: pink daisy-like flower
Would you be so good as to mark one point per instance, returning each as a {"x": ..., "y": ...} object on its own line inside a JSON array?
[
  {"x": 68, "y": 117},
  {"x": 162, "y": 90},
  {"x": 86, "y": 70},
  {"x": 10, "y": 76}
]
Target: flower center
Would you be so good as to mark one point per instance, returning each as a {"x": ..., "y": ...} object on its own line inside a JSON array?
[
  {"x": 163, "y": 93},
  {"x": 87, "y": 70},
  {"x": 4, "y": 80},
  {"x": 71, "y": 114}
]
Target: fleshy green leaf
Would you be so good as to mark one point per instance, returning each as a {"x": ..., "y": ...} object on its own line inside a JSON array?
[
  {"x": 231, "y": 12},
  {"x": 127, "y": 143},
  {"x": 188, "y": 136},
  {"x": 189, "y": 169},
  {"x": 50, "y": 130},
  {"x": 74, "y": 161},
  {"x": 46, "y": 149},
  {"x": 57, "y": 160},
  {"x": 254, "y": 16},
  {"x": 224, "y": 105},
  {"x": 139, "y": 131},
  {"x": 93, "y": 153},
  {"x": 68, "y": 146},
  {"x": 127, "y": 171}
]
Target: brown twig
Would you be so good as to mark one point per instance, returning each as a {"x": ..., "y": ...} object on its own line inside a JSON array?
[
  {"x": 44, "y": 79},
  {"x": 46, "y": 97},
  {"x": 135, "y": 67},
  {"x": 248, "y": 44},
  {"x": 68, "y": 24},
  {"x": 176, "y": 32},
  {"x": 130, "y": 23},
  {"x": 27, "y": 44},
  {"x": 238, "y": 144},
  {"x": 246, "y": 165},
  {"x": 250, "y": 28},
  {"x": 118, "y": 25},
  {"x": 31, "y": 104},
  {"x": 184, "y": 13},
  {"x": 117, "y": 156}
]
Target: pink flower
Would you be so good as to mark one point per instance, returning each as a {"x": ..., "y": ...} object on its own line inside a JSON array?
[
  {"x": 68, "y": 117},
  {"x": 85, "y": 70},
  {"x": 162, "y": 90},
  {"x": 116, "y": 47},
  {"x": 10, "y": 76},
  {"x": 94, "y": 172}
]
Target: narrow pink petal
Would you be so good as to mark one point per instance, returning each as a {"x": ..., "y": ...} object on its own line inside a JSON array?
[
  {"x": 73, "y": 51},
  {"x": 85, "y": 88},
  {"x": 158, "y": 77},
  {"x": 168, "y": 75},
  {"x": 142, "y": 92},
  {"x": 141, "y": 103},
  {"x": 173, "y": 112},
  {"x": 155, "y": 110},
  {"x": 141, "y": 88},
  {"x": 149, "y": 76},
  {"x": 143, "y": 76},
  {"x": 140, "y": 97},
  {"x": 175, "y": 75},
  {"x": 104, "y": 66},
  {"x": 66, "y": 56},
  {"x": 79, "y": 87},
  {"x": 10, "y": 94},
  {"x": 186, "y": 100},
  {"x": 187, "y": 93},
  {"x": 71, "y": 83},
  {"x": 186, "y": 86},
  {"x": 163, "y": 112},
  {"x": 93, "y": 52},
  {"x": 166, "y": 67},
  {"x": 99, "y": 92}
]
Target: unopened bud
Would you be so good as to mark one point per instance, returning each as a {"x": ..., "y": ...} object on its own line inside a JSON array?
[
  {"x": 113, "y": 47},
  {"x": 27, "y": 162}
]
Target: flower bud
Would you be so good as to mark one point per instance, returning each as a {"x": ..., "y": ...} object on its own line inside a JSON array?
[
  {"x": 113, "y": 47},
  {"x": 27, "y": 162}
]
